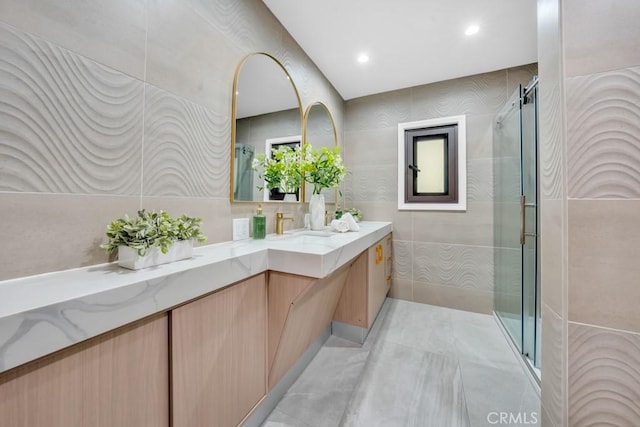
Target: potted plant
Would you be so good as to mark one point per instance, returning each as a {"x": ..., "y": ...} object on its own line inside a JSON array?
[
  {"x": 281, "y": 170},
  {"x": 152, "y": 238},
  {"x": 323, "y": 168},
  {"x": 355, "y": 213}
]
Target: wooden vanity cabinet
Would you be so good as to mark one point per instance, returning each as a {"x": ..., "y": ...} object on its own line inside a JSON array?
[
  {"x": 367, "y": 286},
  {"x": 218, "y": 355},
  {"x": 120, "y": 378},
  {"x": 300, "y": 309},
  {"x": 208, "y": 362}
]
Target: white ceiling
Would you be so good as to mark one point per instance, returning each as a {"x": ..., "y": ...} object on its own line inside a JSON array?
[{"x": 409, "y": 42}]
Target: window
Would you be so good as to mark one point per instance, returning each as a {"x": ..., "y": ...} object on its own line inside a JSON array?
[
  {"x": 271, "y": 145},
  {"x": 432, "y": 164}
]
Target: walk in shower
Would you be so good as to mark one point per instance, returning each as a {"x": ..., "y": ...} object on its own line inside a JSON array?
[{"x": 516, "y": 256}]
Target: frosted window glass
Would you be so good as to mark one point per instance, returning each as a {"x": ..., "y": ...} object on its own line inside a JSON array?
[{"x": 430, "y": 159}]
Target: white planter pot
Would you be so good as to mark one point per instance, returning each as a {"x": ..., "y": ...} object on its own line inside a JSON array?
[
  {"x": 129, "y": 258},
  {"x": 317, "y": 211},
  {"x": 290, "y": 197}
]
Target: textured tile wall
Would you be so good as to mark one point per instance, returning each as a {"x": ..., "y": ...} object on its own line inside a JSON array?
[
  {"x": 603, "y": 124},
  {"x": 554, "y": 373},
  {"x": 112, "y": 106},
  {"x": 69, "y": 124},
  {"x": 443, "y": 258},
  {"x": 604, "y": 377},
  {"x": 602, "y": 92},
  {"x": 553, "y": 214}
]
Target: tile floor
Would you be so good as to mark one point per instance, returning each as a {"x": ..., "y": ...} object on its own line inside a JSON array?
[{"x": 421, "y": 365}]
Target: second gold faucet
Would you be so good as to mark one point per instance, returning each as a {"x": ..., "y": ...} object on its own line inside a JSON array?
[{"x": 280, "y": 219}]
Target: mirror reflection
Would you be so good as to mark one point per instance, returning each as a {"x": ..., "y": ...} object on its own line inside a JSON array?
[
  {"x": 287, "y": 185},
  {"x": 320, "y": 131},
  {"x": 266, "y": 108}
]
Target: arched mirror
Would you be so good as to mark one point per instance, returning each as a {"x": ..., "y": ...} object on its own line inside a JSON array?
[
  {"x": 320, "y": 131},
  {"x": 266, "y": 113}
]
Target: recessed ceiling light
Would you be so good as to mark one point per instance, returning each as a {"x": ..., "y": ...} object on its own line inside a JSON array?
[
  {"x": 362, "y": 58},
  {"x": 471, "y": 30}
]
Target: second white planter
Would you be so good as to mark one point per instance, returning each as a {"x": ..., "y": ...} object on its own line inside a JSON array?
[
  {"x": 290, "y": 197},
  {"x": 317, "y": 211},
  {"x": 129, "y": 258}
]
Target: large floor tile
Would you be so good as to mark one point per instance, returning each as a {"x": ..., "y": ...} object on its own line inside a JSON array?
[
  {"x": 490, "y": 391},
  {"x": 425, "y": 366},
  {"x": 420, "y": 327},
  {"x": 407, "y": 387},
  {"x": 333, "y": 368},
  {"x": 317, "y": 409},
  {"x": 280, "y": 419},
  {"x": 479, "y": 339}
]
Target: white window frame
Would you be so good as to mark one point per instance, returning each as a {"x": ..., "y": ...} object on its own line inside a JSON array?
[{"x": 462, "y": 164}]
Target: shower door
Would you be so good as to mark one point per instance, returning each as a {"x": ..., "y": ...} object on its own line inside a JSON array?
[
  {"x": 529, "y": 224},
  {"x": 516, "y": 263}
]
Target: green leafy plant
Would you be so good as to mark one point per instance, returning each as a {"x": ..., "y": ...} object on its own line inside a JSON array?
[
  {"x": 322, "y": 167},
  {"x": 281, "y": 170},
  {"x": 150, "y": 229},
  {"x": 355, "y": 212}
]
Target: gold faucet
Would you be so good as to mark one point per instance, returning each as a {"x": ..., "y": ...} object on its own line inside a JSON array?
[{"x": 280, "y": 219}]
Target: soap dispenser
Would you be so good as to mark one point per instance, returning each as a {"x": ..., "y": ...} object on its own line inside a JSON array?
[{"x": 259, "y": 224}]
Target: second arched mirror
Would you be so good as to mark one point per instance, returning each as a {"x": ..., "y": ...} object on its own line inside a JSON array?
[
  {"x": 320, "y": 131},
  {"x": 267, "y": 113}
]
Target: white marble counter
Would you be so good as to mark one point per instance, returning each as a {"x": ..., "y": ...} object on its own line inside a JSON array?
[{"x": 45, "y": 313}]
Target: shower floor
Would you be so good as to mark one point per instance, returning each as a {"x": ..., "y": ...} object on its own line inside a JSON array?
[
  {"x": 511, "y": 323},
  {"x": 421, "y": 365}
]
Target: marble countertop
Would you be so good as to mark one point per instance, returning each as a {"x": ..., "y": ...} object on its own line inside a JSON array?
[{"x": 45, "y": 313}]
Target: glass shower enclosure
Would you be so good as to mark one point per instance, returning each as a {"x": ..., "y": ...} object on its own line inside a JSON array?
[
  {"x": 516, "y": 255},
  {"x": 243, "y": 173}
]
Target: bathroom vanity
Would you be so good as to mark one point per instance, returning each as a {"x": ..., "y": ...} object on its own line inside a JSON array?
[{"x": 213, "y": 340}]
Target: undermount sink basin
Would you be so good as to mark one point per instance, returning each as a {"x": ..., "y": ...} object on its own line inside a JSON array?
[
  {"x": 321, "y": 233},
  {"x": 301, "y": 232}
]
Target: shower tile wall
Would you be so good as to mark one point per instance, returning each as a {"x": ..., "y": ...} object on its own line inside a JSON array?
[
  {"x": 441, "y": 258},
  {"x": 112, "y": 106},
  {"x": 590, "y": 161},
  {"x": 552, "y": 215},
  {"x": 602, "y": 92}
]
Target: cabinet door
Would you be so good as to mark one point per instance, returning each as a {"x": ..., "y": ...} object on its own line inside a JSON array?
[
  {"x": 367, "y": 285},
  {"x": 352, "y": 306},
  {"x": 307, "y": 314},
  {"x": 388, "y": 256},
  {"x": 118, "y": 379},
  {"x": 377, "y": 280},
  {"x": 218, "y": 348}
]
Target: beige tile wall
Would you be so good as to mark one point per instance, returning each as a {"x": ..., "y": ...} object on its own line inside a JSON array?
[
  {"x": 554, "y": 371},
  {"x": 112, "y": 106},
  {"x": 603, "y": 376},
  {"x": 443, "y": 258},
  {"x": 590, "y": 178},
  {"x": 553, "y": 215},
  {"x": 602, "y": 92}
]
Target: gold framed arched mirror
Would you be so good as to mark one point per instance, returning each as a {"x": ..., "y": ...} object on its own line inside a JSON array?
[
  {"x": 320, "y": 131},
  {"x": 266, "y": 114}
]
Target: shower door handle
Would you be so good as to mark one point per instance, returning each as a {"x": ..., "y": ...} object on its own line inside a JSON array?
[{"x": 523, "y": 218}]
